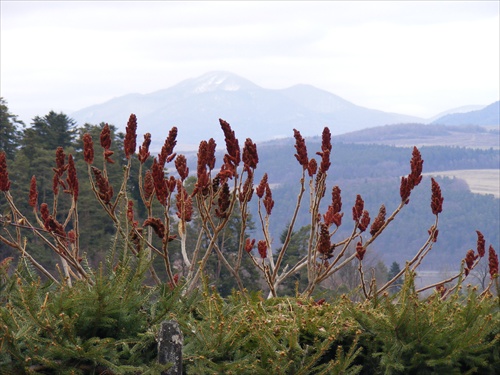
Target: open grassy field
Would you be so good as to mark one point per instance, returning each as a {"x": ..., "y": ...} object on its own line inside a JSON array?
[{"x": 481, "y": 181}]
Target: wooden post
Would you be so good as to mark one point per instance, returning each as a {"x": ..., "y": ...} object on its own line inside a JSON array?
[{"x": 170, "y": 342}]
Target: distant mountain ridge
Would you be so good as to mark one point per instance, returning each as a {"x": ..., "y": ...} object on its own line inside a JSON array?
[
  {"x": 195, "y": 105},
  {"x": 406, "y": 135},
  {"x": 487, "y": 116}
]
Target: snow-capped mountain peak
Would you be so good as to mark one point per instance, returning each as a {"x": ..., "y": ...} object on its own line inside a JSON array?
[{"x": 217, "y": 81}]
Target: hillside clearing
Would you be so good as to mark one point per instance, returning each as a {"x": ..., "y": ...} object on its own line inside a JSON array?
[{"x": 480, "y": 181}]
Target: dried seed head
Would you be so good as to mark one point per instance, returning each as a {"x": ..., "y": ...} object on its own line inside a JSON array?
[
  {"x": 203, "y": 179},
  {"x": 437, "y": 199},
  {"x": 249, "y": 244},
  {"x": 72, "y": 179},
  {"x": 223, "y": 202},
  {"x": 360, "y": 251},
  {"x": 60, "y": 161},
  {"x": 481, "y": 244},
  {"x": 232, "y": 145},
  {"x": 470, "y": 257},
  {"x": 210, "y": 155},
  {"x": 416, "y": 164},
  {"x": 107, "y": 156},
  {"x": 300, "y": 146},
  {"x": 171, "y": 183},
  {"x": 44, "y": 211},
  {"x": 261, "y": 189},
  {"x": 53, "y": 226},
  {"x": 130, "y": 213},
  {"x": 159, "y": 182},
  {"x": 405, "y": 190},
  {"x": 228, "y": 169},
  {"x": 364, "y": 221},
  {"x": 105, "y": 190},
  {"x": 330, "y": 217},
  {"x": 379, "y": 221},
  {"x": 262, "y": 248},
  {"x": 414, "y": 178},
  {"x": 88, "y": 148},
  {"x": 326, "y": 140},
  {"x": 333, "y": 215},
  {"x": 433, "y": 231},
  {"x": 326, "y": 148},
  {"x": 336, "y": 199},
  {"x": 324, "y": 243},
  {"x": 144, "y": 149},
  {"x": 325, "y": 161},
  {"x": 250, "y": 156},
  {"x": 33, "y": 200},
  {"x": 358, "y": 208},
  {"x": 157, "y": 226},
  {"x": 312, "y": 167},
  {"x": 106, "y": 137},
  {"x": 181, "y": 166},
  {"x": 130, "y": 141},
  {"x": 149, "y": 186},
  {"x": 493, "y": 262},
  {"x": 268, "y": 200},
  {"x": 184, "y": 203},
  {"x": 4, "y": 175},
  {"x": 167, "y": 150},
  {"x": 72, "y": 236},
  {"x": 55, "y": 184}
]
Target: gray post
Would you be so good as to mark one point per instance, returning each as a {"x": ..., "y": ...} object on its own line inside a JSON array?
[{"x": 170, "y": 347}]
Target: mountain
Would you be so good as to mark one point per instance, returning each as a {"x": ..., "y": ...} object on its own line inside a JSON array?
[
  {"x": 406, "y": 135},
  {"x": 487, "y": 116},
  {"x": 462, "y": 109},
  {"x": 196, "y": 104}
]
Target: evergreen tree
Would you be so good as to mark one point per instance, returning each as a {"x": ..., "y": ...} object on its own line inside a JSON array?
[
  {"x": 51, "y": 131},
  {"x": 393, "y": 271},
  {"x": 9, "y": 132},
  {"x": 297, "y": 248}
]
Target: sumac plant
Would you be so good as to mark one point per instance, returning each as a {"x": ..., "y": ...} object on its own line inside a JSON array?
[{"x": 218, "y": 194}]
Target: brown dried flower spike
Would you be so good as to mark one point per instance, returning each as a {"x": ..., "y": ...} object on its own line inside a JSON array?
[
  {"x": 437, "y": 199},
  {"x": 72, "y": 179},
  {"x": 181, "y": 166},
  {"x": 144, "y": 149},
  {"x": 300, "y": 146},
  {"x": 481, "y": 243},
  {"x": 88, "y": 148},
  {"x": 250, "y": 156},
  {"x": 166, "y": 154},
  {"x": 493, "y": 262},
  {"x": 33, "y": 200},
  {"x": 4, "y": 175},
  {"x": 130, "y": 141},
  {"x": 262, "y": 248},
  {"x": 358, "y": 208},
  {"x": 379, "y": 221},
  {"x": 106, "y": 143}
]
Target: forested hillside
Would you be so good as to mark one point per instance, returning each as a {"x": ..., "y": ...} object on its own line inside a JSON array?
[{"x": 370, "y": 170}]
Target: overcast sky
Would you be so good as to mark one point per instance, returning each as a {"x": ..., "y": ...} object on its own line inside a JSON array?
[{"x": 413, "y": 57}]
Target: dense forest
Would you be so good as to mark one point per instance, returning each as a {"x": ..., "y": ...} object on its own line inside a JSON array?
[{"x": 373, "y": 171}]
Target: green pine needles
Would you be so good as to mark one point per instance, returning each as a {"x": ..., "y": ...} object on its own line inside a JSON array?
[{"x": 111, "y": 328}]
